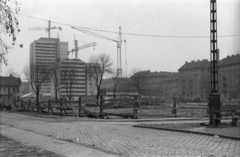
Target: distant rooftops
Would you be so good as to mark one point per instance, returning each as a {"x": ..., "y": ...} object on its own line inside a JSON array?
[
  {"x": 202, "y": 64},
  {"x": 10, "y": 81},
  {"x": 233, "y": 59}
]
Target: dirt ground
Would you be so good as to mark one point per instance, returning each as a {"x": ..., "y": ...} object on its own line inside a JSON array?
[{"x": 11, "y": 148}]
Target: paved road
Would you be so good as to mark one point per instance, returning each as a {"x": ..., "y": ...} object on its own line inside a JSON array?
[{"x": 122, "y": 139}]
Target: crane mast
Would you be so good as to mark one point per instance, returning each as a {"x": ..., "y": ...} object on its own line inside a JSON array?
[
  {"x": 81, "y": 47},
  {"x": 119, "y": 45},
  {"x": 119, "y": 55},
  {"x": 48, "y": 29}
]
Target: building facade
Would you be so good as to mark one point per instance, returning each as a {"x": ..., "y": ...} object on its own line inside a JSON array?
[
  {"x": 45, "y": 51},
  {"x": 229, "y": 77},
  {"x": 73, "y": 78},
  {"x": 170, "y": 87},
  {"x": 154, "y": 83},
  {"x": 10, "y": 87},
  {"x": 194, "y": 80}
]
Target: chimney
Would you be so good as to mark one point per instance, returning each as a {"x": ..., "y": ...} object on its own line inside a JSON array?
[
  {"x": 186, "y": 62},
  {"x": 10, "y": 75}
]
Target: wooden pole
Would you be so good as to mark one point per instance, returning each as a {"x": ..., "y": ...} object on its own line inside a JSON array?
[
  {"x": 29, "y": 105},
  {"x": 21, "y": 104},
  {"x": 101, "y": 106},
  {"x": 14, "y": 103},
  {"x": 49, "y": 101},
  {"x": 61, "y": 107},
  {"x": 80, "y": 107}
]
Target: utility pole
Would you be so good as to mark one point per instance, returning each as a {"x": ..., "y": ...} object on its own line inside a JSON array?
[{"x": 214, "y": 97}]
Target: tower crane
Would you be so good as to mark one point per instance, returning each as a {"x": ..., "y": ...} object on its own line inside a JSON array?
[
  {"x": 81, "y": 47},
  {"x": 119, "y": 45},
  {"x": 48, "y": 29}
]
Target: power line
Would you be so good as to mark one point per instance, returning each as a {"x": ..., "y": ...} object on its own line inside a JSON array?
[{"x": 132, "y": 34}]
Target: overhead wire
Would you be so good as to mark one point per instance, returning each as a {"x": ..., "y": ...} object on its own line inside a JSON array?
[{"x": 133, "y": 34}]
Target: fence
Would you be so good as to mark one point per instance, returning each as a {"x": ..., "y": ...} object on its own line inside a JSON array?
[{"x": 131, "y": 108}]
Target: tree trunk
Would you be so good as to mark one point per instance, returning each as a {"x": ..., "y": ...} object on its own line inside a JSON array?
[
  {"x": 56, "y": 97},
  {"x": 98, "y": 93}
]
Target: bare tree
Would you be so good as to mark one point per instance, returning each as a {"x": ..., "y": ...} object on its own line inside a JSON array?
[
  {"x": 99, "y": 66},
  {"x": 138, "y": 80},
  {"x": 12, "y": 72},
  {"x": 37, "y": 74},
  {"x": 55, "y": 79},
  {"x": 116, "y": 81},
  {"x": 9, "y": 25},
  {"x": 68, "y": 79}
]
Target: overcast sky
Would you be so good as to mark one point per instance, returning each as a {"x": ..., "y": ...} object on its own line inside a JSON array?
[{"x": 150, "y": 17}]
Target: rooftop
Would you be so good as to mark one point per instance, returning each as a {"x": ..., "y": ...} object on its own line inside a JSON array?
[{"x": 10, "y": 81}]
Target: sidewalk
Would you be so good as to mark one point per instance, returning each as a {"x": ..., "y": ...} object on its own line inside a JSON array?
[
  {"x": 60, "y": 147},
  {"x": 223, "y": 130},
  {"x": 10, "y": 148}
]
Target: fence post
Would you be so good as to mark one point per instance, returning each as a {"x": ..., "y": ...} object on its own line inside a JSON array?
[
  {"x": 80, "y": 107},
  {"x": 101, "y": 104},
  {"x": 174, "y": 110},
  {"x": 14, "y": 103},
  {"x": 49, "y": 101},
  {"x": 29, "y": 105},
  {"x": 37, "y": 103},
  {"x": 21, "y": 104},
  {"x": 135, "y": 109},
  {"x": 61, "y": 107}
]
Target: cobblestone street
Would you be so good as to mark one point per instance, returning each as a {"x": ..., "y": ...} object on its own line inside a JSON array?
[
  {"x": 123, "y": 139},
  {"x": 10, "y": 148}
]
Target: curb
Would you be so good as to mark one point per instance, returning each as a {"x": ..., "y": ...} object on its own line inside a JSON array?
[
  {"x": 102, "y": 120},
  {"x": 186, "y": 131}
]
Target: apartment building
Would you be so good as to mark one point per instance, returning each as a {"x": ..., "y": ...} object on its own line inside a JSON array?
[
  {"x": 229, "y": 77},
  {"x": 154, "y": 83},
  {"x": 73, "y": 79},
  {"x": 170, "y": 87},
  {"x": 45, "y": 51},
  {"x": 194, "y": 80}
]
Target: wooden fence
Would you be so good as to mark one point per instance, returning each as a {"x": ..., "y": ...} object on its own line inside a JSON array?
[{"x": 131, "y": 108}]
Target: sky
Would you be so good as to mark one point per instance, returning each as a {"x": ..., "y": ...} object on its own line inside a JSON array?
[{"x": 143, "y": 17}]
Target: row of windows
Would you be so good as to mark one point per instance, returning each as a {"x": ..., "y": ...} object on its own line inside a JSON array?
[
  {"x": 74, "y": 88},
  {"x": 48, "y": 50},
  {"x": 45, "y": 46},
  {"x": 45, "y": 53},
  {"x": 72, "y": 63},
  {"x": 50, "y": 59},
  {"x": 73, "y": 92},
  {"x": 75, "y": 83},
  {"x": 49, "y": 56},
  {"x": 45, "y": 43},
  {"x": 9, "y": 89}
]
